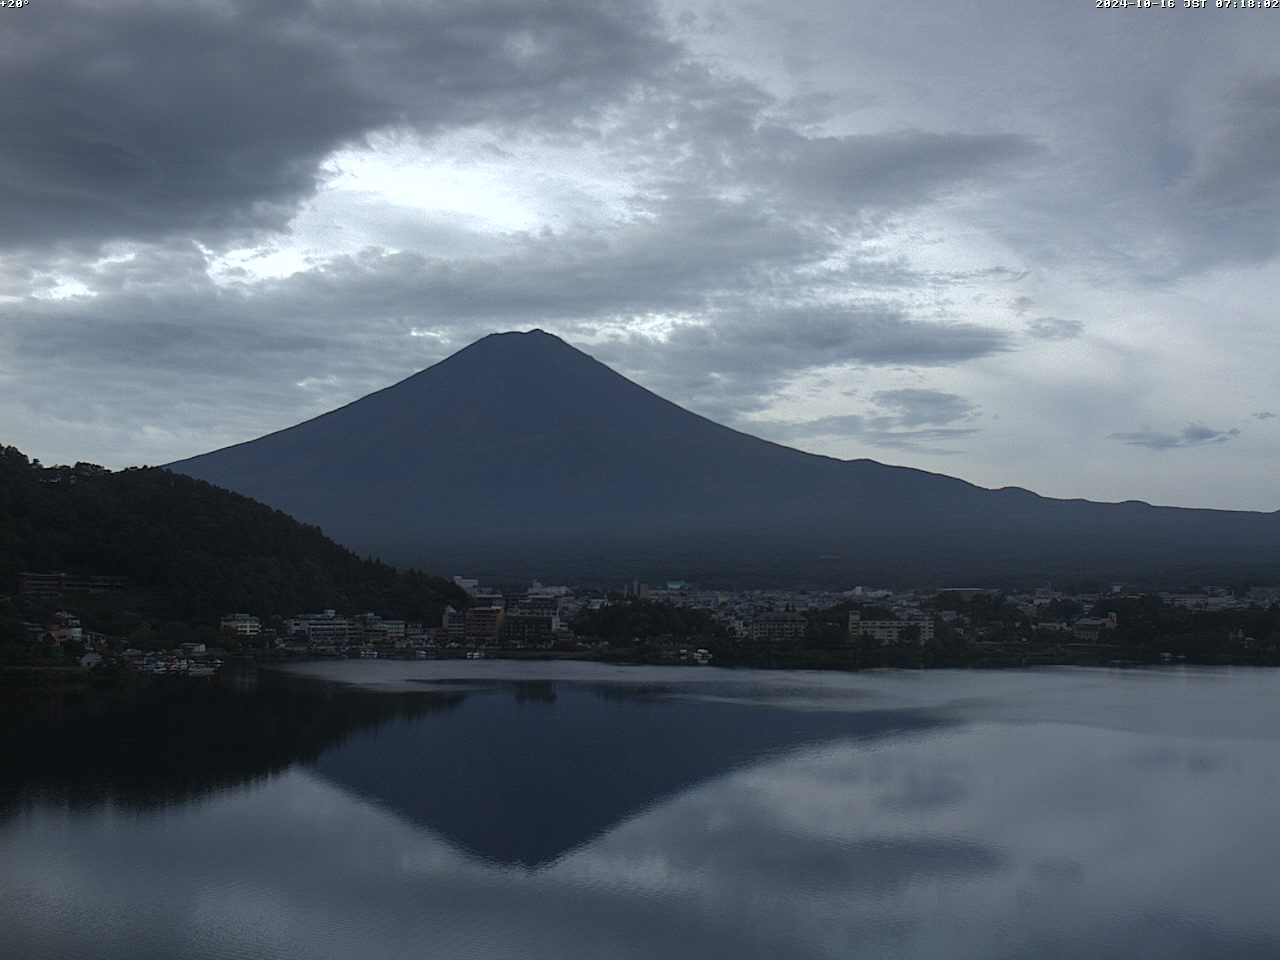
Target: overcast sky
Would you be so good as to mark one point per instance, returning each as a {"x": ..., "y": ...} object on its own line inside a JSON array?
[{"x": 1019, "y": 243}]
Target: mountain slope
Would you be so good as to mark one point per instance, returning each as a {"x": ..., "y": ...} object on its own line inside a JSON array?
[{"x": 521, "y": 455}]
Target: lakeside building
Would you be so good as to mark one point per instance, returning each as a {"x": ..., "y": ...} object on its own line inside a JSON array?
[
  {"x": 778, "y": 626},
  {"x": 454, "y": 625},
  {"x": 530, "y": 629},
  {"x": 371, "y": 628},
  {"x": 1202, "y": 601},
  {"x": 484, "y": 623},
  {"x": 244, "y": 624},
  {"x": 532, "y": 619},
  {"x": 321, "y": 629},
  {"x": 46, "y": 585},
  {"x": 888, "y": 631}
]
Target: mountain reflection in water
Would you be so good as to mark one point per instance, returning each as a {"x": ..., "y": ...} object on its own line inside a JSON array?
[
  {"x": 527, "y": 785},
  {"x": 509, "y": 785},
  {"x": 491, "y": 812},
  {"x": 177, "y": 739}
]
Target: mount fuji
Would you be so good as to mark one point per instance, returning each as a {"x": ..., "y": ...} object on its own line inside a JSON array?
[{"x": 522, "y": 456}]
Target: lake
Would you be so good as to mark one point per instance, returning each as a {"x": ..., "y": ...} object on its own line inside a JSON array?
[{"x": 491, "y": 810}]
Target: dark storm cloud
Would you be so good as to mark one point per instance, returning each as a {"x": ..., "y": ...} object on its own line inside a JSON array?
[
  {"x": 832, "y": 335},
  {"x": 1205, "y": 195},
  {"x": 884, "y": 170},
  {"x": 1192, "y": 435},
  {"x": 1054, "y": 328},
  {"x": 1264, "y": 415},
  {"x": 916, "y": 407},
  {"x": 680, "y": 257},
  {"x": 911, "y": 418},
  {"x": 1231, "y": 198},
  {"x": 138, "y": 120},
  {"x": 736, "y": 364},
  {"x": 159, "y": 314},
  {"x": 701, "y": 129},
  {"x": 355, "y": 317}
]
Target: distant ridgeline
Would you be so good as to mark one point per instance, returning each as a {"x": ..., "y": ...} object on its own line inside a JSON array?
[{"x": 147, "y": 543}]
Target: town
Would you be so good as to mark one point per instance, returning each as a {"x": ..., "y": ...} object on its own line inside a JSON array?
[{"x": 676, "y": 622}]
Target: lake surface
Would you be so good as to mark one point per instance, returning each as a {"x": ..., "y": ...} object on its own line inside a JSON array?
[{"x": 509, "y": 810}]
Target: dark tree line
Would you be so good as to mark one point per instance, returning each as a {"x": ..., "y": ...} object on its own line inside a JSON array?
[{"x": 646, "y": 619}]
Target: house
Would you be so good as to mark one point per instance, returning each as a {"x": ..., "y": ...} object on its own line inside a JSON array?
[{"x": 1093, "y": 629}]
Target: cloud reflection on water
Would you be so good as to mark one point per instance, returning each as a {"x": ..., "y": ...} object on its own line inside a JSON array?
[{"x": 992, "y": 839}]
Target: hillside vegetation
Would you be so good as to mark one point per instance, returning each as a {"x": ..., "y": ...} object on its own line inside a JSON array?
[{"x": 189, "y": 552}]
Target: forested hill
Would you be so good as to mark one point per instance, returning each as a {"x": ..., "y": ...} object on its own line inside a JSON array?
[{"x": 188, "y": 551}]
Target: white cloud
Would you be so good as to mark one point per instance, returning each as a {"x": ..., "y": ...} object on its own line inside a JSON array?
[{"x": 1192, "y": 435}]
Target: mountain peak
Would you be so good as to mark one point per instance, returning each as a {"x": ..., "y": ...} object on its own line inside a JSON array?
[
  {"x": 516, "y": 342},
  {"x": 519, "y": 337},
  {"x": 523, "y": 354}
]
